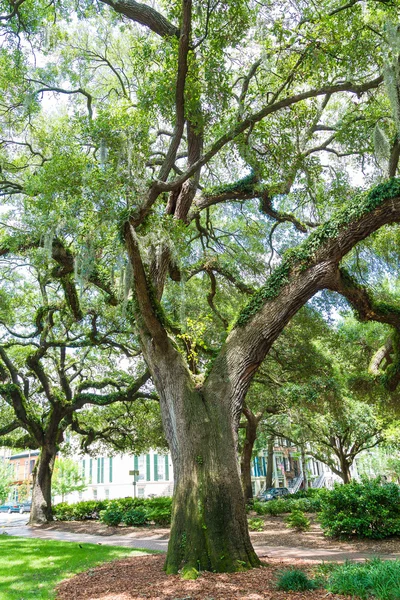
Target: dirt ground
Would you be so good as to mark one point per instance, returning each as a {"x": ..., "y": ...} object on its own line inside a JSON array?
[
  {"x": 142, "y": 578},
  {"x": 275, "y": 534}
]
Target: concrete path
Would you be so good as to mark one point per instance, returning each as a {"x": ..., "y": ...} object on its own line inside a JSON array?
[{"x": 17, "y": 527}]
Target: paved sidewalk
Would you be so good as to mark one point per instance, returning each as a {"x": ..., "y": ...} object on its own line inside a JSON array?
[{"x": 156, "y": 543}]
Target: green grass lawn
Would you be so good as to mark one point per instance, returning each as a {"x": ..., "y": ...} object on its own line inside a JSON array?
[{"x": 31, "y": 568}]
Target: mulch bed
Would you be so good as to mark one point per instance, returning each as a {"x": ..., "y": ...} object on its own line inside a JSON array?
[
  {"x": 275, "y": 533},
  {"x": 142, "y": 578}
]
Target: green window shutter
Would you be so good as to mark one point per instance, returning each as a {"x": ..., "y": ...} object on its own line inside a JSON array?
[
  {"x": 156, "y": 467},
  {"x": 147, "y": 467},
  {"x": 91, "y": 470},
  {"x": 102, "y": 470},
  {"x": 110, "y": 472},
  {"x": 98, "y": 470},
  {"x": 84, "y": 469},
  {"x": 166, "y": 467}
]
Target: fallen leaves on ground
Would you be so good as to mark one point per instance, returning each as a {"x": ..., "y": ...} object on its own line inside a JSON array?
[{"x": 143, "y": 578}]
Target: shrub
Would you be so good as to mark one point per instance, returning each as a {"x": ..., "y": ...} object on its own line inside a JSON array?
[
  {"x": 130, "y": 503},
  {"x": 376, "y": 578},
  {"x": 256, "y": 524},
  {"x": 89, "y": 509},
  {"x": 295, "y": 580},
  {"x": 276, "y": 507},
  {"x": 368, "y": 509},
  {"x": 112, "y": 516},
  {"x": 63, "y": 512},
  {"x": 303, "y": 504},
  {"x": 135, "y": 517},
  {"x": 298, "y": 520}
]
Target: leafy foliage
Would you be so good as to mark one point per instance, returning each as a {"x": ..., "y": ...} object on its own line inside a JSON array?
[
  {"x": 375, "y": 578},
  {"x": 297, "y": 520},
  {"x": 295, "y": 580},
  {"x": 369, "y": 509}
]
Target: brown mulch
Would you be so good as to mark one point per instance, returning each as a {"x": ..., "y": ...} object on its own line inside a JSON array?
[
  {"x": 142, "y": 577},
  {"x": 275, "y": 534}
]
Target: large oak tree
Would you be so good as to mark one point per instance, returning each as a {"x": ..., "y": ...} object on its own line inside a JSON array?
[{"x": 211, "y": 136}]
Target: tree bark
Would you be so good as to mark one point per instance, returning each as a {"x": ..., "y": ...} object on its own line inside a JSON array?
[
  {"x": 209, "y": 524},
  {"x": 247, "y": 453},
  {"x": 270, "y": 463},
  {"x": 345, "y": 470},
  {"x": 41, "y": 511},
  {"x": 304, "y": 468}
]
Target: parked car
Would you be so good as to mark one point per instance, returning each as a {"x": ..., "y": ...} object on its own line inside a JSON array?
[
  {"x": 25, "y": 507},
  {"x": 9, "y": 507},
  {"x": 272, "y": 494}
]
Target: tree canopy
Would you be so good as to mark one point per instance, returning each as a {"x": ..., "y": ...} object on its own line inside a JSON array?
[{"x": 196, "y": 172}]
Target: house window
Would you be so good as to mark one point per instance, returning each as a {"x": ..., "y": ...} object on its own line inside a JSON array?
[
  {"x": 80, "y": 495},
  {"x": 110, "y": 470},
  {"x": 91, "y": 470},
  {"x": 26, "y": 469},
  {"x": 83, "y": 468},
  {"x": 141, "y": 492},
  {"x": 107, "y": 493},
  {"x": 161, "y": 467},
  {"x": 100, "y": 470},
  {"x": 94, "y": 494}
]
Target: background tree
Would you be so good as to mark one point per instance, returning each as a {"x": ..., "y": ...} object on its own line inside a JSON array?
[
  {"x": 52, "y": 368},
  {"x": 67, "y": 478},
  {"x": 166, "y": 144},
  {"x": 6, "y": 479}
]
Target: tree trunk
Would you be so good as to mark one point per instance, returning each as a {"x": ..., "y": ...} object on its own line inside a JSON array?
[
  {"x": 247, "y": 452},
  {"x": 209, "y": 524},
  {"x": 270, "y": 463},
  {"x": 41, "y": 488},
  {"x": 345, "y": 471},
  {"x": 304, "y": 468}
]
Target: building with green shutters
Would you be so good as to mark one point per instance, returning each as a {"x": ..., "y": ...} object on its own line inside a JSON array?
[{"x": 125, "y": 475}]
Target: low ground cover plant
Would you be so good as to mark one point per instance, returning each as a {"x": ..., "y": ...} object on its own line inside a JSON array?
[
  {"x": 295, "y": 580},
  {"x": 375, "y": 578},
  {"x": 369, "y": 509},
  {"x": 256, "y": 524}
]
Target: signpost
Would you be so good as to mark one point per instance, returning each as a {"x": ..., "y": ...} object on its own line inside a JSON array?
[{"x": 135, "y": 474}]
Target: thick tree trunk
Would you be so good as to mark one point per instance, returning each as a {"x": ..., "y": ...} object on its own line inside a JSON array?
[
  {"x": 270, "y": 463},
  {"x": 247, "y": 453},
  {"x": 345, "y": 471},
  {"x": 41, "y": 488},
  {"x": 209, "y": 524}
]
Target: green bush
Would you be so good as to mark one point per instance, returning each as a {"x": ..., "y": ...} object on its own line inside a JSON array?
[
  {"x": 303, "y": 504},
  {"x": 135, "y": 517},
  {"x": 295, "y": 580},
  {"x": 256, "y": 524},
  {"x": 63, "y": 512},
  {"x": 298, "y": 520},
  {"x": 112, "y": 516},
  {"x": 367, "y": 509},
  {"x": 89, "y": 509},
  {"x": 375, "y": 578},
  {"x": 276, "y": 507},
  {"x": 131, "y": 511}
]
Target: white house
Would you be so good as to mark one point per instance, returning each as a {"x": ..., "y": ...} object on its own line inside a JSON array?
[{"x": 113, "y": 477}]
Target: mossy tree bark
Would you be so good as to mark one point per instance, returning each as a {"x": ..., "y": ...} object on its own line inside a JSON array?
[{"x": 41, "y": 511}]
